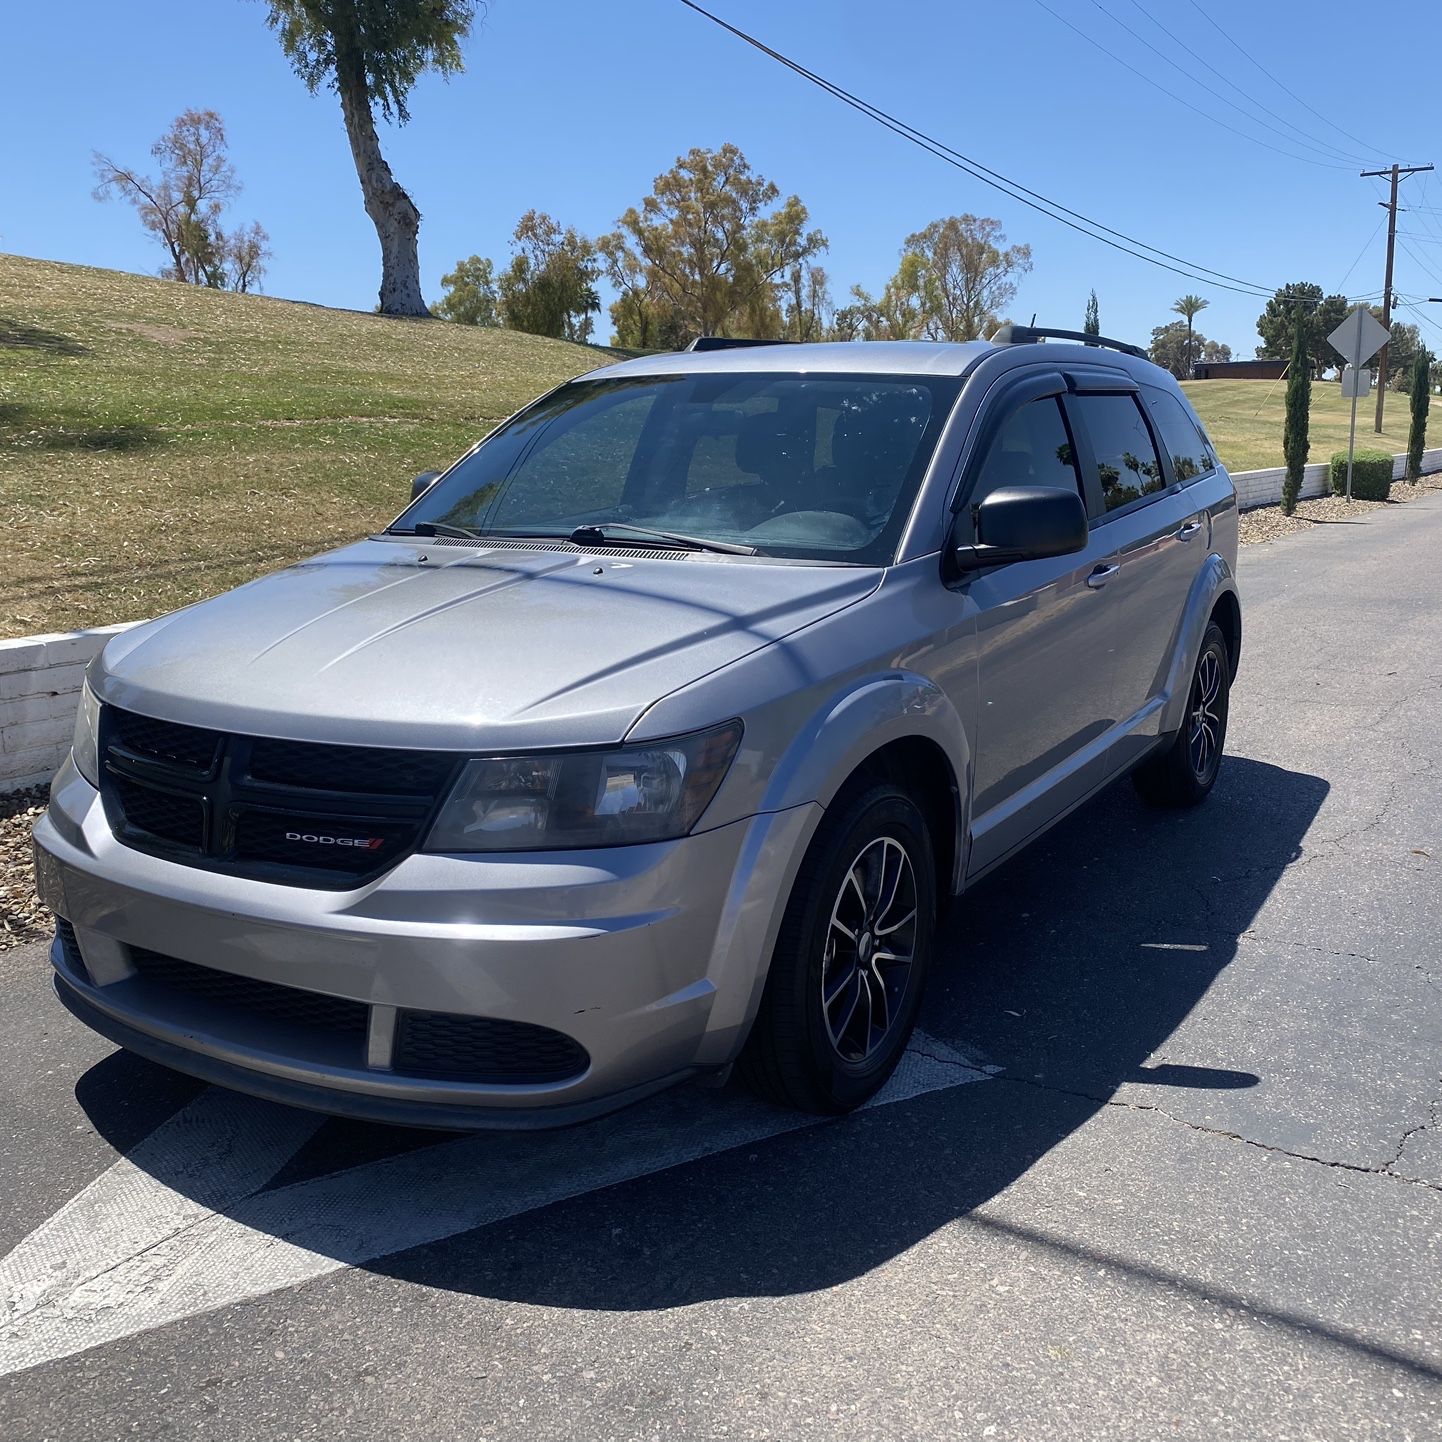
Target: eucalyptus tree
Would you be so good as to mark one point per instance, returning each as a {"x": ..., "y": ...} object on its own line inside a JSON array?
[{"x": 371, "y": 53}]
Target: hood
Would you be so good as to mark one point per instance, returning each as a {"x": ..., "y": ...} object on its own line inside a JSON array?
[{"x": 391, "y": 643}]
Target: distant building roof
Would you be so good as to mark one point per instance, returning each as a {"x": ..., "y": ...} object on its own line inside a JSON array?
[{"x": 1240, "y": 370}]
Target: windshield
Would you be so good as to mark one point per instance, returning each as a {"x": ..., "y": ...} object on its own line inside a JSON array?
[{"x": 821, "y": 467}]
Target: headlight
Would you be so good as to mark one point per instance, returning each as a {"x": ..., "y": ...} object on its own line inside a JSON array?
[
  {"x": 551, "y": 801},
  {"x": 85, "y": 748}
]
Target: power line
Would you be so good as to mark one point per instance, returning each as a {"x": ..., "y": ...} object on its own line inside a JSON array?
[
  {"x": 1172, "y": 95},
  {"x": 1423, "y": 217},
  {"x": 1247, "y": 55},
  {"x": 1427, "y": 269},
  {"x": 1043, "y": 205},
  {"x": 1336, "y": 150},
  {"x": 1332, "y": 155},
  {"x": 1362, "y": 252},
  {"x": 1420, "y": 314}
]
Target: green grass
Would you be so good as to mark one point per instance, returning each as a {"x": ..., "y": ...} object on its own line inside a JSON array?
[
  {"x": 1245, "y": 420},
  {"x": 160, "y": 443}
]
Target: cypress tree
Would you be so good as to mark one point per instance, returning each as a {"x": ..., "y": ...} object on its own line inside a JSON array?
[
  {"x": 1421, "y": 399},
  {"x": 1299, "y": 401},
  {"x": 1092, "y": 325}
]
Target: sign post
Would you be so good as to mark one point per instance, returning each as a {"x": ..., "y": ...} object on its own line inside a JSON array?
[{"x": 1357, "y": 339}]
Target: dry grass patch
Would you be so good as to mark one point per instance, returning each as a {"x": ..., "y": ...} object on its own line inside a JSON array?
[
  {"x": 160, "y": 443},
  {"x": 1245, "y": 420}
]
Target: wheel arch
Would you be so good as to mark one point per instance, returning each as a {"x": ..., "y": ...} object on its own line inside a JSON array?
[
  {"x": 1227, "y": 613},
  {"x": 919, "y": 767},
  {"x": 898, "y": 727},
  {"x": 1213, "y": 597}
]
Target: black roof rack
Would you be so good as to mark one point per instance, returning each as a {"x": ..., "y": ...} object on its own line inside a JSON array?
[
  {"x": 1022, "y": 334},
  {"x": 730, "y": 342}
]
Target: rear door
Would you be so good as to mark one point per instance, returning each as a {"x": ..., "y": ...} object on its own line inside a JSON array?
[
  {"x": 1158, "y": 535},
  {"x": 1044, "y": 638}
]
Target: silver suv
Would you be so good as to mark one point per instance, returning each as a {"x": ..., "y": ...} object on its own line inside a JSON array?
[{"x": 653, "y": 736}]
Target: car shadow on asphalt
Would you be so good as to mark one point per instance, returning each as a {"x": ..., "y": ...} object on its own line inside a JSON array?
[{"x": 1067, "y": 971}]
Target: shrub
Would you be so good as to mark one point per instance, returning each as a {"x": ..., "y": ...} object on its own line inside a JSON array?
[
  {"x": 1295, "y": 443},
  {"x": 1371, "y": 475},
  {"x": 1421, "y": 398}
]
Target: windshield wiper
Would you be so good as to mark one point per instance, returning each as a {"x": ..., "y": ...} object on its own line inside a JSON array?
[
  {"x": 437, "y": 528},
  {"x": 601, "y": 535}
]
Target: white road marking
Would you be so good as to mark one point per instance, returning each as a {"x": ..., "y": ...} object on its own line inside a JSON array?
[
  {"x": 180, "y": 1227},
  {"x": 213, "y": 1154}
]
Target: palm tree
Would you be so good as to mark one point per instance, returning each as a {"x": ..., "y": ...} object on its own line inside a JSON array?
[{"x": 1188, "y": 306}]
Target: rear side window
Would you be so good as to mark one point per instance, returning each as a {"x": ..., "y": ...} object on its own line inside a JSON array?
[
  {"x": 1032, "y": 448},
  {"x": 1128, "y": 466},
  {"x": 1181, "y": 436}
]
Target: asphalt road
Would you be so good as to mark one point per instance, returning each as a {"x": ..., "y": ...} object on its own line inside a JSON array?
[{"x": 1167, "y": 1161}]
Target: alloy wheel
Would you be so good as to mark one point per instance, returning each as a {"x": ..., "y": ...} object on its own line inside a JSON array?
[
  {"x": 1205, "y": 709},
  {"x": 870, "y": 948}
]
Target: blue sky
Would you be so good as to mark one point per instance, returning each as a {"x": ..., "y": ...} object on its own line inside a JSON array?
[{"x": 573, "y": 106}]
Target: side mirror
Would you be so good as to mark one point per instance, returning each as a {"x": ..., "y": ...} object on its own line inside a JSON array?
[
  {"x": 1024, "y": 523},
  {"x": 423, "y": 483}
]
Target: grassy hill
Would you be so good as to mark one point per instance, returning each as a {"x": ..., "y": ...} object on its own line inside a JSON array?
[
  {"x": 1245, "y": 420},
  {"x": 159, "y": 443}
]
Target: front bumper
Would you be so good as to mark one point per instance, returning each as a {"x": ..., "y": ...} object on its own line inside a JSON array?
[{"x": 650, "y": 957}]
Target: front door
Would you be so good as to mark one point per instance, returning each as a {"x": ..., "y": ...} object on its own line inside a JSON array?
[
  {"x": 1160, "y": 539},
  {"x": 1045, "y": 668}
]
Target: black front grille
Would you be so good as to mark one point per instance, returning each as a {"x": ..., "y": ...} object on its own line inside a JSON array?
[
  {"x": 484, "y": 1049},
  {"x": 349, "y": 768},
  {"x": 245, "y": 996},
  {"x": 289, "y": 838},
  {"x": 296, "y": 812},
  {"x": 177, "y": 818},
  {"x": 188, "y": 747}
]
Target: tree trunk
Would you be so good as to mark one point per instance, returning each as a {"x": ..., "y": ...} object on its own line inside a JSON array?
[{"x": 394, "y": 213}]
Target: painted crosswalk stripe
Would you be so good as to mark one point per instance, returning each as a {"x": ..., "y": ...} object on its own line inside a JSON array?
[{"x": 181, "y": 1226}]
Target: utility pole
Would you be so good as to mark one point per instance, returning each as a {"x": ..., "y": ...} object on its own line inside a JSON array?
[{"x": 1396, "y": 173}]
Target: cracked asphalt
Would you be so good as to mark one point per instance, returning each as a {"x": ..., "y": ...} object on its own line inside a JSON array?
[{"x": 1200, "y": 1197}]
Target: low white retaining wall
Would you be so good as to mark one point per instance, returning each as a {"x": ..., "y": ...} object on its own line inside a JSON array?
[
  {"x": 1264, "y": 488},
  {"x": 40, "y": 675},
  {"x": 39, "y": 689}
]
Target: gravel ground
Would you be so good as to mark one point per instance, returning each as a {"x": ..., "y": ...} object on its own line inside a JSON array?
[
  {"x": 1267, "y": 523},
  {"x": 22, "y": 918}
]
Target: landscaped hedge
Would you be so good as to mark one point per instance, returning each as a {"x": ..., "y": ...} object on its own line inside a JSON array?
[{"x": 1371, "y": 475}]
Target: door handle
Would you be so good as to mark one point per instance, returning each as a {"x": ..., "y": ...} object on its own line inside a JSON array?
[
  {"x": 1101, "y": 575},
  {"x": 1189, "y": 530}
]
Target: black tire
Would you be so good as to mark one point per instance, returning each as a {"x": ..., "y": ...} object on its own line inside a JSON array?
[
  {"x": 793, "y": 1056},
  {"x": 1183, "y": 772}
]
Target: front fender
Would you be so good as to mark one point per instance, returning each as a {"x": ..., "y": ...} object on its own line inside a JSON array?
[
  {"x": 1213, "y": 581},
  {"x": 866, "y": 715},
  {"x": 858, "y": 720},
  {"x": 853, "y": 722}
]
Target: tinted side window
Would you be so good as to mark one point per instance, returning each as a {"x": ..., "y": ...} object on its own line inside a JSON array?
[
  {"x": 1184, "y": 442},
  {"x": 1032, "y": 448},
  {"x": 1128, "y": 466}
]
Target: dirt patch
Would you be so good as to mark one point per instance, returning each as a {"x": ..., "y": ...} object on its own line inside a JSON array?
[
  {"x": 160, "y": 334},
  {"x": 1267, "y": 523},
  {"x": 22, "y": 917}
]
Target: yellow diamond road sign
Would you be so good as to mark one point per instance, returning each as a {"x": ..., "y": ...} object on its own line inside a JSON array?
[{"x": 1359, "y": 337}]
